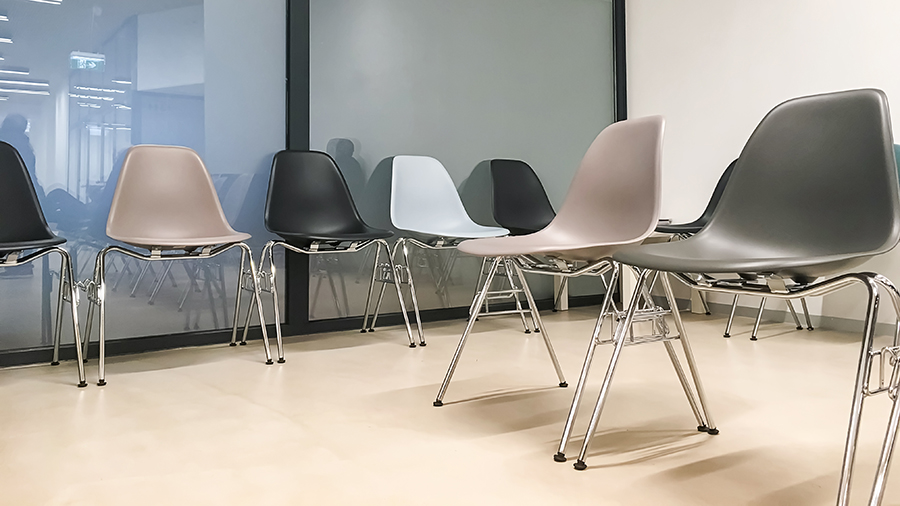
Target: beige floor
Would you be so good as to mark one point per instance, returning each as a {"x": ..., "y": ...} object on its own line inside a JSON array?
[{"x": 348, "y": 420}]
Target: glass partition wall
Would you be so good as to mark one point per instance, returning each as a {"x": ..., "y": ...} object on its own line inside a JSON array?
[
  {"x": 463, "y": 81},
  {"x": 80, "y": 82}
]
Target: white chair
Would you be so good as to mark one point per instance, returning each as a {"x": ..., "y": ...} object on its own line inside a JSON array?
[{"x": 424, "y": 201}]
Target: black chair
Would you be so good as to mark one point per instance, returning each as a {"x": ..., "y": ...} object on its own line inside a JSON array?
[
  {"x": 838, "y": 147},
  {"x": 685, "y": 230},
  {"x": 520, "y": 203},
  {"x": 310, "y": 207},
  {"x": 25, "y": 237}
]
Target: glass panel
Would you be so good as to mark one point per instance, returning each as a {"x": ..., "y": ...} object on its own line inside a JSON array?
[
  {"x": 82, "y": 82},
  {"x": 464, "y": 82}
]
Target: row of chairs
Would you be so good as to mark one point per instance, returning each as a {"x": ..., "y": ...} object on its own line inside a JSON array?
[
  {"x": 763, "y": 238},
  {"x": 165, "y": 207}
]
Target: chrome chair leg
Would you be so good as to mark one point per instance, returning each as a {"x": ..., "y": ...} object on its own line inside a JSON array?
[
  {"x": 620, "y": 337},
  {"x": 479, "y": 301},
  {"x": 262, "y": 319},
  {"x": 100, "y": 281},
  {"x": 544, "y": 334},
  {"x": 809, "y": 325},
  {"x": 395, "y": 272},
  {"x": 412, "y": 291},
  {"x": 582, "y": 378},
  {"x": 710, "y": 427},
  {"x": 237, "y": 299},
  {"x": 270, "y": 248},
  {"x": 794, "y": 315},
  {"x": 371, "y": 286},
  {"x": 57, "y": 326},
  {"x": 762, "y": 306},
  {"x": 731, "y": 317},
  {"x": 140, "y": 278},
  {"x": 69, "y": 286},
  {"x": 862, "y": 378},
  {"x": 705, "y": 303}
]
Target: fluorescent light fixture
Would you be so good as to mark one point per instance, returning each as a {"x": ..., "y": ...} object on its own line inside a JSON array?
[
  {"x": 4, "y": 17},
  {"x": 24, "y": 92},
  {"x": 2, "y": 58},
  {"x": 122, "y": 106},
  {"x": 24, "y": 83},
  {"x": 6, "y": 40},
  {"x": 22, "y": 72},
  {"x": 85, "y": 104},
  {"x": 4, "y": 97},
  {"x": 121, "y": 81},
  {"x": 100, "y": 90},
  {"x": 88, "y": 97},
  {"x": 51, "y": 2}
]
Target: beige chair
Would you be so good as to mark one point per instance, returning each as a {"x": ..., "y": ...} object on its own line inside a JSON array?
[
  {"x": 165, "y": 202},
  {"x": 613, "y": 201}
]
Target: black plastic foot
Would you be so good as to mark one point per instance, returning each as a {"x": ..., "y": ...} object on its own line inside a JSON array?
[
  {"x": 528, "y": 331},
  {"x": 537, "y": 331},
  {"x": 559, "y": 457},
  {"x": 753, "y": 338},
  {"x": 422, "y": 343},
  {"x": 437, "y": 404},
  {"x": 84, "y": 361},
  {"x": 702, "y": 428},
  {"x": 82, "y": 384},
  {"x": 371, "y": 330},
  {"x": 101, "y": 383},
  {"x": 810, "y": 328},
  {"x": 363, "y": 331},
  {"x": 54, "y": 363},
  {"x": 269, "y": 362},
  {"x": 243, "y": 343},
  {"x": 150, "y": 303},
  {"x": 232, "y": 344},
  {"x": 712, "y": 432},
  {"x": 412, "y": 345},
  {"x": 281, "y": 361},
  {"x": 799, "y": 327},
  {"x": 726, "y": 335},
  {"x": 555, "y": 310},
  {"x": 708, "y": 313},
  {"x": 563, "y": 385},
  {"x": 580, "y": 465}
]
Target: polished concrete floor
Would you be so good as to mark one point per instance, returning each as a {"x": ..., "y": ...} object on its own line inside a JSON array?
[{"x": 348, "y": 420}]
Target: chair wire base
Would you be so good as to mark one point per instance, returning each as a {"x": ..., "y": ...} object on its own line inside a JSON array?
[
  {"x": 67, "y": 293},
  {"x": 96, "y": 289},
  {"x": 641, "y": 309}
]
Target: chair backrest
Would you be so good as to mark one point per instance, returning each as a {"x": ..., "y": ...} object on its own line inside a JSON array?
[
  {"x": 21, "y": 218},
  {"x": 817, "y": 176},
  {"x": 309, "y": 196},
  {"x": 520, "y": 203},
  {"x": 164, "y": 194},
  {"x": 716, "y": 196},
  {"x": 423, "y": 196},
  {"x": 615, "y": 194}
]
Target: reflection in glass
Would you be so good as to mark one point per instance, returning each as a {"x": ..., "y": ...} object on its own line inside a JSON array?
[{"x": 83, "y": 83}]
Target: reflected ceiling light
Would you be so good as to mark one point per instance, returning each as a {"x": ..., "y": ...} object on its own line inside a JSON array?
[
  {"x": 101, "y": 90},
  {"x": 24, "y": 83},
  {"x": 4, "y": 17},
  {"x": 85, "y": 104},
  {"x": 121, "y": 81},
  {"x": 4, "y": 97},
  {"x": 122, "y": 106},
  {"x": 6, "y": 40},
  {"x": 24, "y": 92},
  {"x": 89, "y": 97},
  {"x": 21, "y": 72},
  {"x": 51, "y": 2}
]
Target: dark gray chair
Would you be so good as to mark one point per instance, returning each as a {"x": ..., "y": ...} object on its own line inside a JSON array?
[{"x": 838, "y": 148}]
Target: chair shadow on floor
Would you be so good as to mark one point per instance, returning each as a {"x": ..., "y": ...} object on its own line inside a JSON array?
[{"x": 619, "y": 447}]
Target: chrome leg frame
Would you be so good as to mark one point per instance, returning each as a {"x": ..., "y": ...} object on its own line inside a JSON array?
[
  {"x": 588, "y": 358},
  {"x": 809, "y": 325},
  {"x": 96, "y": 290},
  {"x": 68, "y": 292},
  {"x": 478, "y": 307},
  {"x": 508, "y": 272},
  {"x": 887, "y": 359},
  {"x": 731, "y": 316},
  {"x": 762, "y": 306},
  {"x": 623, "y": 335}
]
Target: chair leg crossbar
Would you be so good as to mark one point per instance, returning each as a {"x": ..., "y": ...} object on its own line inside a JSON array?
[
  {"x": 506, "y": 270},
  {"x": 478, "y": 308},
  {"x": 641, "y": 309}
]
